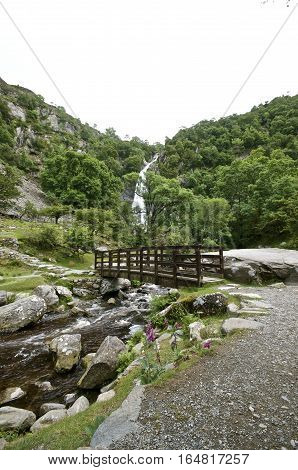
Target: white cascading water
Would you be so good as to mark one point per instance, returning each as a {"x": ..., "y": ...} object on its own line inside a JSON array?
[{"x": 138, "y": 200}]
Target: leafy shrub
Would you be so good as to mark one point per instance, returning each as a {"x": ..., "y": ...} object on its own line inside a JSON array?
[
  {"x": 135, "y": 339},
  {"x": 124, "y": 360},
  {"x": 150, "y": 370},
  {"x": 45, "y": 238}
]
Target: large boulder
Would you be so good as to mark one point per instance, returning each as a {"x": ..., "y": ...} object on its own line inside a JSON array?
[
  {"x": 261, "y": 264},
  {"x": 81, "y": 404},
  {"x": 233, "y": 324},
  {"x": 10, "y": 394},
  {"x": 67, "y": 349},
  {"x": 15, "y": 419},
  {"x": 211, "y": 304},
  {"x": 113, "y": 286},
  {"x": 49, "y": 418},
  {"x": 48, "y": 293},
  {"x": 21, "y": 313},
  {"x": 104, "y": 364}
]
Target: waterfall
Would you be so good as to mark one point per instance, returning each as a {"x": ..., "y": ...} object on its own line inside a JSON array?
[{"x": 138, "y": 200}]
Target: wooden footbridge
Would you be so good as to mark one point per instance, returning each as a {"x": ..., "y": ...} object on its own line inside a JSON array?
[{"x": 169, "y": 266}]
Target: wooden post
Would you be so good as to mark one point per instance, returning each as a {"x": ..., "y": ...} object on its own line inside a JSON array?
[
  {"x": 155, "y": 266},
  {"x": 141, "y": 263},
  {"x": 175, "y": 267},
  {"x": 198, "y": 264},
  {"x": 95, "y": 260},
  {"x": 110, "y": 262},
  {"x": 221, "y": 261},
  {"x": 118, "y": 262},
  {"x": 101, "y": 268},
  {"x": 128, "y": 263}
]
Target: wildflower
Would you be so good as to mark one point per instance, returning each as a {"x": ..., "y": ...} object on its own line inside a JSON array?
[
  {"x": 207, "y": 344},
  {"x": 150, "y": 333}
]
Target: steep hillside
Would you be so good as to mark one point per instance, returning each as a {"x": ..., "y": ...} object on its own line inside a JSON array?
[
  {"x": 251, "y": 161},
  {"x": 41, "y": 141}
]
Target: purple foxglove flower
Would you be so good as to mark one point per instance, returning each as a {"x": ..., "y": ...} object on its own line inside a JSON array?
[
  {"x": 150, "y": 333},
  {"x": 207, "y": 344}
]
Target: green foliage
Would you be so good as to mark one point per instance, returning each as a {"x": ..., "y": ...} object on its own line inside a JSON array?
[
  {"x": 47, "y": 237},
  {"x": 124, "y": 359},
  {"x": 78, "y": 239},
  {"x": 243, "y": 171},
  {"x": 29, "y": 211},
  {"x": 55, "y": 212},
  {"x": 150, "y": 369},
  {"x": 8, "y": 186}
]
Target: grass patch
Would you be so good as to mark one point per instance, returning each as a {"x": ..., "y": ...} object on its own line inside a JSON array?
[
  {"x": 75, "y": 431},
  {"x": 22, "y": 284}
]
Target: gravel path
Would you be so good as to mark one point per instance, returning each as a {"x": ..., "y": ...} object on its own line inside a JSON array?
[{"x": 244, "y": 397}]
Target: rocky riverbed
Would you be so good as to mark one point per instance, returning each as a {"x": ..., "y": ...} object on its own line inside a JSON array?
[{"x": 25, "y": 357}]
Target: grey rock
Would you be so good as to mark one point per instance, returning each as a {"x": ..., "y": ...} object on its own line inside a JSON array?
[
  {"x": 67, "y": 349},
  {"x": 3, "y": 297},
  {"x": 110, "y": 386},
  {"x": 278, "y": 285},
  {"x": 46, "y": 407},
  {"x": 3, "y": 443},
  {"x": 104, "y": 364},
  {"x": 121, "y": 422},
  {"x": 10, "y": 394},
  {"x": 49, "y": 418},
  {"x": 211, "y": 304},
  {"x": 195, "y": 330},
  {"x": 63, "y": 292},
  {"x": 70, "y": 398},
  {"x": 232, "y": 308},
  {"x": 106, "y": 396},
  {"x": 109, "y": 286},
  {"x": 16, "y": 111},
  {"x": 81, "y": 404},
  {"x": 15, "y": 419},
  {"x": 80, "y": 292},
  {"x": 21, "y": 313},
  {"x": 48, "y": 293},
  {"x": 232, "y": 324},
  {"x": 261, "y": 264},
  {"x": 112, "y": 301},
  {"x": 163, "y": 337},
  {"x": 45, "y": 386},
  {"x": 137, "y": 349}
]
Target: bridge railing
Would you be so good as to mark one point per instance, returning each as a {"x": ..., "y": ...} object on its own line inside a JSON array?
[{"x": 178, "y": 263}]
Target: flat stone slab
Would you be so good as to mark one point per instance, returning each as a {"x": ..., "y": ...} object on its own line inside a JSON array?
[
  {"x": 265, "y": 255},
  {"x": 121, "y": 422},
  {"x": 232, "y": 324}
]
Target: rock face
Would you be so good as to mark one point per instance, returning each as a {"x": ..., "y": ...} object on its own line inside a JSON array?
[
  {"x": 86, "y": 360},
  {"x": 104, "y": 364},
  {"x": 48, "y": 293},
  {"x": 21, "y": 313},
  {"x": 258, "y": 265},
  {"x": 46, "y": 407},
  {"x": 211, "y": 304},
  {"x": 232, "y": 324},
  {"x": 15, "y": 419},
  {"x": 10, "y": 394},
  {"x": 81, "y": 404},
  {"x": 49, "y": 418},
  {"x": 67, "y": 349}
]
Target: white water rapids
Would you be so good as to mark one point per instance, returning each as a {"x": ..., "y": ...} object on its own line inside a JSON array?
[{"x": 138, "y": 200}]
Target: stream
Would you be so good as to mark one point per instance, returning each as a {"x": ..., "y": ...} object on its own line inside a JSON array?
[{"x": 25, "y": 360}]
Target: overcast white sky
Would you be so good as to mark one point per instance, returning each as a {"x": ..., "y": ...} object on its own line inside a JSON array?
[{"x": 149, "y": 67}]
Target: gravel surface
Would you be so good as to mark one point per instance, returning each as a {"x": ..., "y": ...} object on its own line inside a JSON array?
[{"x": 244, "y": 397}]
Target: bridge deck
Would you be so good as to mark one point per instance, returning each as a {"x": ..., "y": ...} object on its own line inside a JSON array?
[{"x": 166, "y": 265}]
